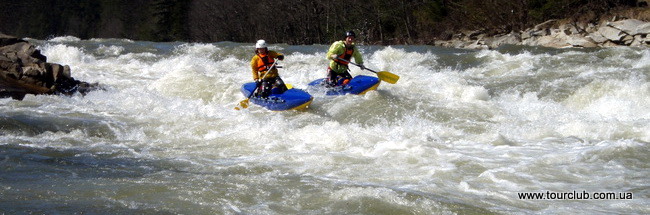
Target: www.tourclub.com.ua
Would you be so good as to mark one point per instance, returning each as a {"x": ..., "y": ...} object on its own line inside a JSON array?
[{"x": 575, "y": 195}]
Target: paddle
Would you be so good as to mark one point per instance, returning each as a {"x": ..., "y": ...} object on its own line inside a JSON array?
[
  {"x": 383, "y": 75},
  {"x": 244, "y": 103}
]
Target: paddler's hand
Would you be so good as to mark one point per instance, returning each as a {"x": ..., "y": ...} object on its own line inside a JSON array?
[
  {"x": 362, "y": 66},
  {"x": 280, "y": 57},
  {"x": 334, "y": 56}
]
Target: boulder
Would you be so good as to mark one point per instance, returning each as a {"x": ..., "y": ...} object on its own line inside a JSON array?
[
  {"x": 608, "y": 44},
  {"x": 24, "y": 70},
  {"x": 597, "y": 37},
  {"x": 619, "y": 32},
  {"x": 479, "y": 44},
  {"x": 611, "y": 33},
  {"x": 555, "y": 41},
  {"x": 638, "y": 41},
  {"x": 629, "y": 26},
  {"x": 570, "y": 29},
  {"x": 643, "y": 28},
  {"x": 512, "y": 38},
  {"x": 627, "y": 40},
  {"x": 579, "y": 41}
]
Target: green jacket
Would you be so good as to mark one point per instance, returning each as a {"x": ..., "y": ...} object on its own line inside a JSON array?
[{"x": 338, "y": 48}]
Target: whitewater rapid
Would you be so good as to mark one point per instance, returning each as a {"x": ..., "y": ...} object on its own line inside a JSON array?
[{"x": 463, "y": 131}]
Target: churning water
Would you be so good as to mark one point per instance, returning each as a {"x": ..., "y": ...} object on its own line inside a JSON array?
[{"x": 517, "y": 130}]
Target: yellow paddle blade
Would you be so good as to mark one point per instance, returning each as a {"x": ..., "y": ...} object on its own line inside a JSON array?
[
  {"x": 243, "y": 104},
  {"x": 289, "y": 86},
  {"x": 388, "y": 77}
]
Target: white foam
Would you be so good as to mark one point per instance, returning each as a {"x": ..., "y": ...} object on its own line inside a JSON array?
[
  {"x": 110, "y": 50},
  {"x": 65, "y": 39},
  {"x": 477, "y": 133},
  {"x": 66, "y": 55}
]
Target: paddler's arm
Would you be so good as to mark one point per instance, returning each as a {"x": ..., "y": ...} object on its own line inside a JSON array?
[
  {"x": 357, "y": 56},
  {"x": 254, "y": 68},
  {"x": 274, "y": 54},
  {"x": 335, "y": 50}
]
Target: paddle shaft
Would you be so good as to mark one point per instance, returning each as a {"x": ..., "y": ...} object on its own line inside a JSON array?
[
  {"x": 347, "y": 61},
  {"x": 267, "y": 72},
  {"x": 383, "y": 75}
]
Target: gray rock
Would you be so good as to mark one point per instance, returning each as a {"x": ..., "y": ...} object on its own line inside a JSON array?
[
  {"x": 628, "y": 39},
  {"x": 608, "y": 44},
  {"x": 629, "y": 32},
  {"x": 610, "y": 33},
  {"x": 643, "y": 28},
  {"x": 512, "y": 38},
  {"x": 597, "y": 37},
  {"x": 629, "y": 26},
  {"x": 579, "y": 41},
  {"x": 24, "y": 70},
  {"x": 638, "y": 41},
  {"x": 479, "y": 44},
  {"x": 569, "y": 29},
  {"x": 525, "y": 35}
]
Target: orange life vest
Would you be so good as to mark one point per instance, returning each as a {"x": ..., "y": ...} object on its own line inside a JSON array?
[
  {"x": 264, "y": 62},
  {"x": 347, "y": 54}
]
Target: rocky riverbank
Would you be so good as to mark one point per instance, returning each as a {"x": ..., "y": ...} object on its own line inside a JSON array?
[
  {"x": 24, "y": 70},
  {"x": 554, "y": 33}
]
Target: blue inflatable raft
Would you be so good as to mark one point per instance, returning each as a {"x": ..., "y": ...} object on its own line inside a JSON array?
[
  {"x": 359, "y": 85},
  {"x": 292, "y": 99}
]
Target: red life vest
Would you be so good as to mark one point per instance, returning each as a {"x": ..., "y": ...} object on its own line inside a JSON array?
[
  {"x": 347, "y": 55},
  {"x": 264, "y": 62}
]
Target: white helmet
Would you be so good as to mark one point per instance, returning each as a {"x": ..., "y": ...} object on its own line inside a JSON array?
[{"x": 260, "y": 44}]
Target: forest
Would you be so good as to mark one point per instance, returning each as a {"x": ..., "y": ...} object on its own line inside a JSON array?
[{"x": 288, "y": 21}]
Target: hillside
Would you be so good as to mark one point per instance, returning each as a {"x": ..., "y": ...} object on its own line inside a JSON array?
[
  {"x": 621, "y": 27},
  {"x": 298, "y": 21}
]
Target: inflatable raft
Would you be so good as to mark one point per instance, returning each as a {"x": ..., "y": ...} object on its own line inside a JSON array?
[
  {"x": 292, "y": 99},
  {"x": 359, "y": 85}
]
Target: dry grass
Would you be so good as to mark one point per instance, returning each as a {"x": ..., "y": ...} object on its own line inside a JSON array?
[{"x": 640, "y": 13}]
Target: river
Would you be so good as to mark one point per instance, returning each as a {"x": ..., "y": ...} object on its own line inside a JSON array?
[{"x": 517, "y": 130}]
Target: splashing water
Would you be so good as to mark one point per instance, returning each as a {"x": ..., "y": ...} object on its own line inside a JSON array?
[{"x": 463, "y": 132}]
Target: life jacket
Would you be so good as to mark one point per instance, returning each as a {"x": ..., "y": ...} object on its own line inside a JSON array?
[
  {"x": 264, "y": 62},
  {"x": 347, "y": 55}
]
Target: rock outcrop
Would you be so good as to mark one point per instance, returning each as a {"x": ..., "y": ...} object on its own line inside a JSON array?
[
  {"x": 629, "y": 32},
  {"x": 24, "y": 70}
]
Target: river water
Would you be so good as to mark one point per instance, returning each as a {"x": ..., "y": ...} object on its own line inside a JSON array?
[{"x": 462, "y": 132}]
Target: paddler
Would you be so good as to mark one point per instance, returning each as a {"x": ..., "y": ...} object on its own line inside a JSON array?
[
  {"x": 338, "y": 72},
  {"x": 260, "y": 65}
]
